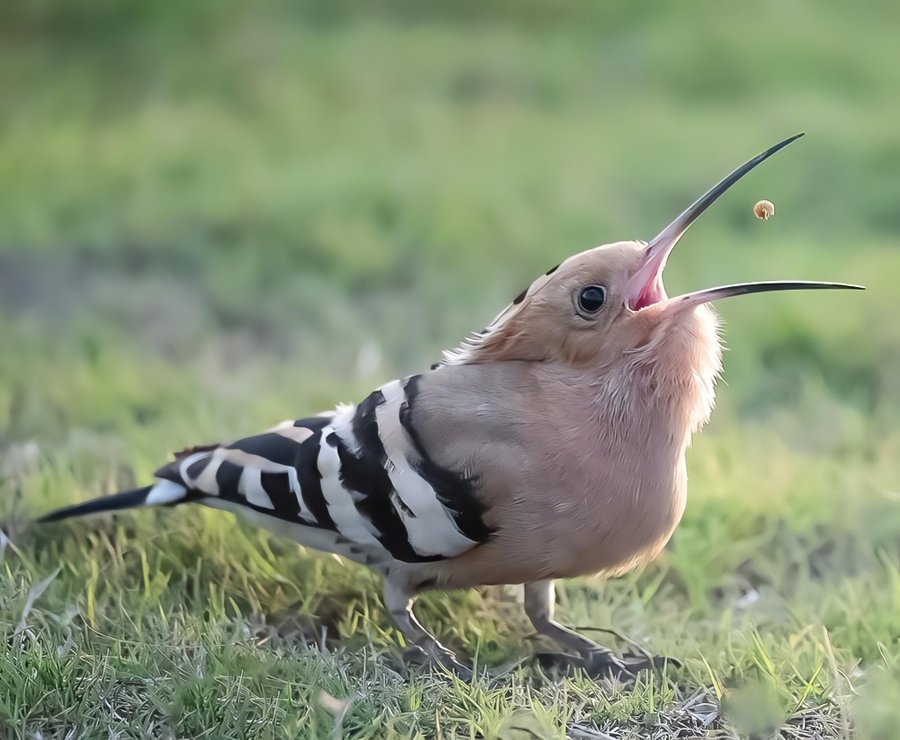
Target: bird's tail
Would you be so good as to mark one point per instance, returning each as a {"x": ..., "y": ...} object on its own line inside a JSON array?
[{"x": 163, "y": 492}]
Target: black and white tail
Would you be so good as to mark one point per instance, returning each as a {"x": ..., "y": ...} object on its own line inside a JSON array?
[
  {"x": 360, "y": 481},
  {"x": 162, "y": 493}
]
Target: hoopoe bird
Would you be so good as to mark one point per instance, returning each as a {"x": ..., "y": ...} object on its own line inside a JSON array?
[{"x": 549, "y": 445}]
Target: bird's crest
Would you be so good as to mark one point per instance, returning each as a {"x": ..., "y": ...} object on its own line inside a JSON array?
[{"x": 491, "y": 343}]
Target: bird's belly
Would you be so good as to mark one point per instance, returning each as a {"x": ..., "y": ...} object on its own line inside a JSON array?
[
  {"x": 629, "y": 532},
  {"x": 610, "y": 537},
  {"x": 616, "y": 554}
]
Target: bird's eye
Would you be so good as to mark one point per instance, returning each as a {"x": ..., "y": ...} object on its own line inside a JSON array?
[{"x": 592, "y": 298}]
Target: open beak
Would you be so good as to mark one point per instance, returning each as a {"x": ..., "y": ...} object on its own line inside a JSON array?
[{"x": 645, "y": 288}]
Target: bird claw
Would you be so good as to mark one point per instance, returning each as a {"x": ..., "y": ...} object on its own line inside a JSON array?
[
  {"x": 445, "y": 662},
  {"x": 600, "y": 664}
]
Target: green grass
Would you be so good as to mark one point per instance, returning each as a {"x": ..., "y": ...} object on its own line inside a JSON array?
[{"x": 216, "y": 217}]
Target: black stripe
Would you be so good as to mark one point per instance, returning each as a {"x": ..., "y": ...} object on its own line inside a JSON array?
[
  {"x": 278, "y": 488},
  {"x": 521, "y": 297},
  {"x": 124, "y": 500},
  {"x": 456, "y": 491},
  {"x": 314, "y": 423},
  {"x": 310, "y": 479},
  {"x": 552, "y": 270},
  {"x": 198, "y": 466},
  {"x": 169, "y": 471},
  {"x": 365, "y": 428},
  {"x": 366, "y": 474},
  {"x": 228, "y": 476},
  {"x": 270, "y": 445}
]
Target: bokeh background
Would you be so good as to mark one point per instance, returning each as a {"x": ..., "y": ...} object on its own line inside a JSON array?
[{"x": 216, "y": 215}]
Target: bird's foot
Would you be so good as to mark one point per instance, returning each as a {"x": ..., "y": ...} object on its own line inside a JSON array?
[
  {"x": 603, "y": 663},
  {"x": 441, "y": 660}
]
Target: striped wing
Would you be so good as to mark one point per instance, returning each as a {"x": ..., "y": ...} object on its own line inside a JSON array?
[{"x": 356, "y": 481}]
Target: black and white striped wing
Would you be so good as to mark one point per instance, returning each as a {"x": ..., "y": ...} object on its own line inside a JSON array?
[{"x": 357, "y": 481}]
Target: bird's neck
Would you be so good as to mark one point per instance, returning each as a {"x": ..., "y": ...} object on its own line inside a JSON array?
[
  {"x": 654, "y": 398},
  {"x": 667, "y": 387},
  {"x": 616, "y": 455},
  {"x": 614, "y": 460}
]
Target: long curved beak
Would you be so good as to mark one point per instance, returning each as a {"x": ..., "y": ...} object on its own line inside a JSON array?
[
  {"x": 646, "y": 288},
  {"x": 711, "y": 294}
]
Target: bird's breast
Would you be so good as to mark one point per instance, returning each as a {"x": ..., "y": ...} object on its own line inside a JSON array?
[
  {"x": 617, "y": 520},
  {"x": 579, "y": 525}
]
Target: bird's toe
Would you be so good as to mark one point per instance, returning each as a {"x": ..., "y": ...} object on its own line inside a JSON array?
[
  {"x": 443, "y": 662},
  {"x": 597, "y": 664},
  {"x": 638, "y": 663},
  {"x": 462, "y": 672},
  {"x": 603, "y": 664}
]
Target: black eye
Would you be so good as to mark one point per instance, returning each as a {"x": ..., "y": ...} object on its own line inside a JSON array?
[{"x": 592, "y": 298}]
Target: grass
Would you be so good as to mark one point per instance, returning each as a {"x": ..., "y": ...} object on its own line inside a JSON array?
[{"x": 216, "y": 217}]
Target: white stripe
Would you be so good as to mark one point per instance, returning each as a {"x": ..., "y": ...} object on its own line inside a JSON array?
[
  {"x": 287, "y": 429},
  {"x": 165, "y": 492},
  {"x": 251, "y": 486},
  {"x": 432, "y": 531},
  {"x": 343, "y": 427},
  {"x": 343, "y": 511},
  {"x": 206, "y": 481},
  {"x": 184, "y": 464},
  {"x": 248, "y": 460}
]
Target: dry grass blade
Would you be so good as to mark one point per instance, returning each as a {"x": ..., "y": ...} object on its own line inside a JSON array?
[{"x": 33, "y": 595}]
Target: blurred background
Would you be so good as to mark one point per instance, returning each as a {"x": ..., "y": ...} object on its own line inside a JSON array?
[
  {"x": 213, "y": 190},
  {"x": 216, "y": 215}
]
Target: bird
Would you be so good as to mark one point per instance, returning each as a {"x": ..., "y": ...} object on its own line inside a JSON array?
[{"x": 549, "y": 445}]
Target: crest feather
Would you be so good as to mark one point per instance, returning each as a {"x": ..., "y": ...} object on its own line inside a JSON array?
[{"x": 487, "y": 345}]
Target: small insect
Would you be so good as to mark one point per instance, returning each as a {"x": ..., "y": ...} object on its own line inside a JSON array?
[{"x": 763, "y": 209}]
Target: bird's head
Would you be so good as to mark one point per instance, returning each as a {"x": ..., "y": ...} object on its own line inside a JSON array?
[{"x": 607, "y": 307}]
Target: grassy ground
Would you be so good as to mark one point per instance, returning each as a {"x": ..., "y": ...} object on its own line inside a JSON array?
[{"x": 218, "y": 217}]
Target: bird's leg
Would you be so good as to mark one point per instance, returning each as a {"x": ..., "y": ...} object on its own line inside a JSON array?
[
  {"x": 540, "y": 601},
  {"x": 399, "y": 602}
]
